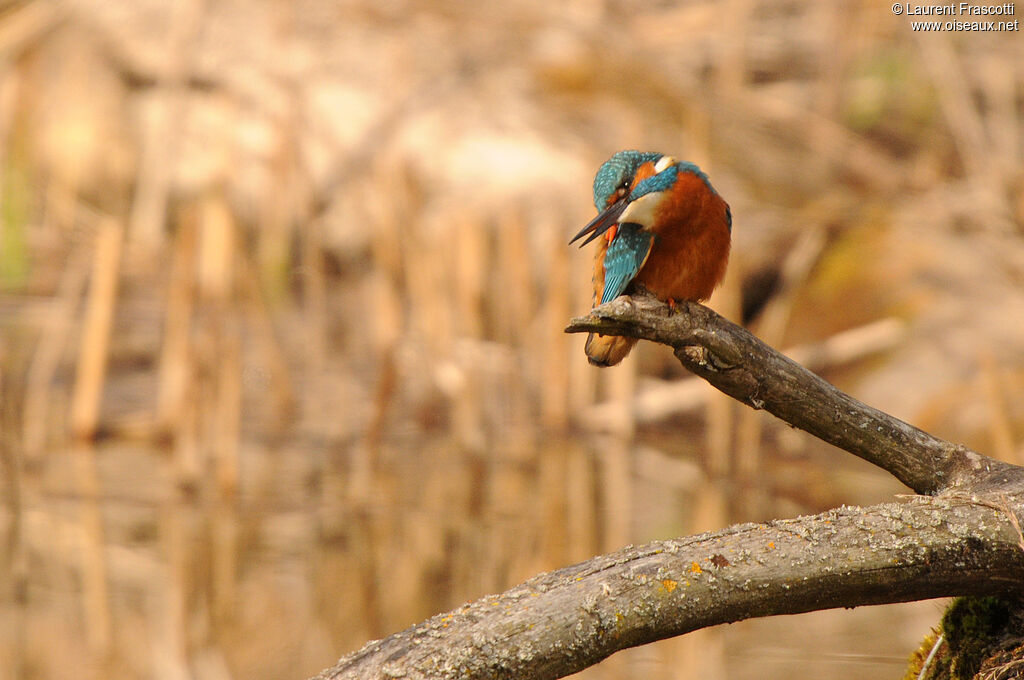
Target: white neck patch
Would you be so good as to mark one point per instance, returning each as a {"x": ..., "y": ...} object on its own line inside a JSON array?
[
  {"x": 664, "y": 163},
  {"x": 642, "y": 210}
]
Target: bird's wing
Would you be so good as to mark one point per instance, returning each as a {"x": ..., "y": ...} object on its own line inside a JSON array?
[{"x": 625, "y": 256}]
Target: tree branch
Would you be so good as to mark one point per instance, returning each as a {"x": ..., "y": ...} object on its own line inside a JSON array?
[
  {"x": 964, "y": 541},
  {"x": 561, "y": 622},
  {"x": 739, "y": 364}
]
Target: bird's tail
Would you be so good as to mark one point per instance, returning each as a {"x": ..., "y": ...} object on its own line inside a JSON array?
[{"x": 607, "y": 350}]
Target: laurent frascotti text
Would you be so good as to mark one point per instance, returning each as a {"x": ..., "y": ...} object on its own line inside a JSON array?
[{"x": 958, "y": 9}]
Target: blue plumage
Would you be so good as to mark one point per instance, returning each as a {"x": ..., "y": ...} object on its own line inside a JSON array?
[
  {"x": 692, "y": 168},
  {"x": 661, "y": 231},
  {"x": 615, "y": 171},
  {"x": 626, "y": 254},
  {"x": 660, "y": 182},
  {"x": 628, "y": 251}
]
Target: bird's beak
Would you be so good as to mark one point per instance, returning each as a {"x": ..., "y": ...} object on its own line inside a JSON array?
[{"x": 602, "y": 222}]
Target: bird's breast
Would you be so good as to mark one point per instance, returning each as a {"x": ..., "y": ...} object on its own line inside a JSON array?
[{"x": 691, "y": 246}]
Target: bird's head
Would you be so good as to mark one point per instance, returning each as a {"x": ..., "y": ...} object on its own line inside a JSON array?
[
  {"x": 620, "y": 184},
  {"x": 614, "y": 179}
]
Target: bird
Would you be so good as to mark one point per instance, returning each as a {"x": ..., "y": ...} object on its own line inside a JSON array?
[{"x": 661, "y": 228}]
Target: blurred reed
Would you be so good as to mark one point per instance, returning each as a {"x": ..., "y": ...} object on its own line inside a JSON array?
[{"x": 282, "y": 371}]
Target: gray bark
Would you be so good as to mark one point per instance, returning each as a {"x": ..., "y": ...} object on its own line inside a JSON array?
[{"x": 963, "y": 538}]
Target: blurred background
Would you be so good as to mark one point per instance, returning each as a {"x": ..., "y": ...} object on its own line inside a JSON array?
[{"x": 283, "y": 284}]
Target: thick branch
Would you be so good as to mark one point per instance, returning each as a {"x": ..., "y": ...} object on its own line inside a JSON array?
[
  {"x": 737, "y": 363},
  {"x": 559, "y": 623}
]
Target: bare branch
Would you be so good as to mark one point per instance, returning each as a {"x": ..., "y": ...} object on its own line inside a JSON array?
[
  {"x": 737, "y": 363},
  {"x": 659, "y": 399},
  {"x": 965, "y": 541},
  {"x": 561, "y": 622}
]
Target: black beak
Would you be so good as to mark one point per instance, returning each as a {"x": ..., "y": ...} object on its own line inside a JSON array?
[{"x": 602, "y": 222}]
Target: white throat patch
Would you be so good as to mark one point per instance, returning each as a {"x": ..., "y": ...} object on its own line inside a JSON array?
[
  {"x": 664, "y": 163},
  {"x": 642, "y": 210}
]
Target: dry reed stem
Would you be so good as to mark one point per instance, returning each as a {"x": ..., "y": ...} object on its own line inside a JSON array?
[
  {"x": 554, "y": 379},
  {"x": 720, "y": 411},
  {"x": 224, "y": 562},
  {"x": 731, "y": 70},
  {"x": 227, "y": 438},
  {"x": 967, "y": 125},
  {"x": 1009, "y": 670},
  {"x": 170, "y": 595},
  {"x": 424, "y": 259},
  {"x": 580, "y": 502},
  {"x": 1000, "y": 426},
  {"x": 835, "y": 22},
  {"x": 467, "y": 369},
  {"x": 553, "y": 510},
  {"x": 388, "y": 317},
  {"x": 616, "y": 460},
  {"x": 771, "y": 327},
  {"x": 217, "y": 272},
  {"x": 931, "y": 656},
  {"x": 582, "y": 378},
  {"x": 368, "y": 567},
  {"x": 95, "y": 588},
  {"x": 1004, "y": 126},
  {"x": 66, "y": 214},
  {"x": 314, "y": 293},
  {"x": 258, "y": 314},
  {"x": 617, "y": 502},
  {"x": 16, "y": 560},
  {"x": 702, "y": 655},
  {"x": 187, "y": 449},
  {"x": 96, "y": 329},
  {"x": 515, "y": 285},
  {"x": 718, "y": 436},
  {"x": 385, "y": 394},
  {"x": 466, "y": 395},
  {"x": 26, "y": 24},
  {"x": 163, "y": 128},
  {"x": 217, "y": 243},
  {"x": 471, "y": 271},
  {"x": 176, "y": 366},
  {"x": 85, "y": 408},
  {"x": 46, "y": 359}
]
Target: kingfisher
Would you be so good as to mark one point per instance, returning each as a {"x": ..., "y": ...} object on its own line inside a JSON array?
[{"x": 661, "y": 228}]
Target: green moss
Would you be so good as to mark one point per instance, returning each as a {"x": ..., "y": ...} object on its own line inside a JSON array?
[
  {"x": 974, "y": 630},
  {"x": 970, "y": 624},
  {"x": 974, "y": 627}
]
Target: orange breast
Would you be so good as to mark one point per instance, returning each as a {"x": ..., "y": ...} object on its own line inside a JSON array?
[
  {"x": 691, "y": 249},
  {"x": 598, "y": 280}
]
